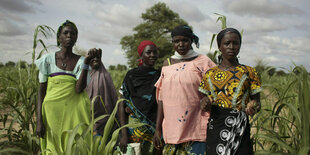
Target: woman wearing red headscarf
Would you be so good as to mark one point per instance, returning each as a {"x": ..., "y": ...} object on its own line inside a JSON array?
[{"x": 138, "y": 88}]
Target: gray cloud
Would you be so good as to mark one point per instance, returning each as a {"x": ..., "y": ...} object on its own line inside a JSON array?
[
  {"x": 118, "y": 14},
  {"x": 15, "y": 48},
  {"x": 263, "y": 8},
  {"x": 290, "y": 46},
  {"x": 10, "y": 29},
  {"x": 19, "y": 6},
  {"x": 115, "y": 21},
  {"x": 188, "y": 11},
  {"x": 13, "y": 25},
  {"x": 263, "y": 25},
  {"x": 302, "y": 26}
]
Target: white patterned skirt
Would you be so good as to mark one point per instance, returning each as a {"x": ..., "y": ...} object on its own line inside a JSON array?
[{"x": 228, "y": 132}]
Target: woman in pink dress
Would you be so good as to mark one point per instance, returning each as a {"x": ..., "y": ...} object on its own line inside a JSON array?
[{"x": 180, "y": 121}]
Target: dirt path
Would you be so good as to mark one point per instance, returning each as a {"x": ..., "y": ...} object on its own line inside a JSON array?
[{"x": 5, "y": 126}]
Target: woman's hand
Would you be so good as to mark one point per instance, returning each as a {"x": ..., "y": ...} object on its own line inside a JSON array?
[
  {"x": 252, "y": 108},
  {"x": 205, "y": 103},
  {"x": 157, "y": 140},
  {"x": 40, "y": 130},
  {"x": 123, "y": 143}
]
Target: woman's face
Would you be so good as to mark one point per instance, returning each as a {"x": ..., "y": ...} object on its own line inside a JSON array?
[
  {"x": 95, "y": 62},
  {"x": 67, "y": 37},
  {"x": 182, "y": 44},
  {"x": 149, "y": 55},
  {"x": 230, "y": 46}
]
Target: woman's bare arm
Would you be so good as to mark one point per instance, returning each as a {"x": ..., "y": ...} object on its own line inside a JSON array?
[
  {"x": 40, "y": 130},
  {"x": 123, "y": 117},
  {"x": 159, "y": 120}
]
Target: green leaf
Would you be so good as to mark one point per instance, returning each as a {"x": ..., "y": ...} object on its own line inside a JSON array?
[
  {"x": 109, "y": 148},
  {"x": 72, "y": 135},
  {"x": 212, "y": 39},
  {"x": 278, "y": 142},
  {"x": 304, "y": 150},
  {"x": 109, "y": 125},
  {"x": 15, "y": 150}
]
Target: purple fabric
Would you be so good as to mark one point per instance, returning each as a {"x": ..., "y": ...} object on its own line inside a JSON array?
[
  {"x": 101, "y": 84},
  {"x": 61, "y": 73}
]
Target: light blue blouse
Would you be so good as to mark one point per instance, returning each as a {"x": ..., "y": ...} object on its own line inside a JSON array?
[{"x": 47, "y": 66}]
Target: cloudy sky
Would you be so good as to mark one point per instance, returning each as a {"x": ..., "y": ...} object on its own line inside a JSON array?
[{"x": 275, "y": 31}]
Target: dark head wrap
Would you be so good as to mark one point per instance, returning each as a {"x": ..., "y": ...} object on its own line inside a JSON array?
[
  {"x": 222, "y": 34},
  {"x": 66, "y": 23},
  {"x": 220, "y": 37},
  {"x": 186, "y": 31}
]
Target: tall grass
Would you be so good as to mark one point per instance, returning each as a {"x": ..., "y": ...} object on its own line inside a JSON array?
[
  {"x": 281, "y": 127},
  {"x": 213, "y": 56},
  {"x": 98, "y": 145},
  {"x": 18, "y": 101},
  {"x": 118, "y": 77},
  {"x": 283, "y": 124}
]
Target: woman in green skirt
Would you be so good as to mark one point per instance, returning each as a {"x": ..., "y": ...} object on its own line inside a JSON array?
[{"x": 62, "y": 101}]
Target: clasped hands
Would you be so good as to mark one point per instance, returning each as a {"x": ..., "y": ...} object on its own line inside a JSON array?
[{"x": 252, "y": 107}]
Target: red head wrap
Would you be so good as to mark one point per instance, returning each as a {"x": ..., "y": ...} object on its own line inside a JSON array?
[{"x": 142, "y": 45}]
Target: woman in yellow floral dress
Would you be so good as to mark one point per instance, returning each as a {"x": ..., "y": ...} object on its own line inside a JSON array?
[{"x": 231, "y": 94}]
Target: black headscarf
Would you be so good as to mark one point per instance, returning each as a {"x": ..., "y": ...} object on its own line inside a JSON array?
[
  {"x": 66, "y": 23},
  {"x": 186, "y": 31},
  {"x": 220, "y": 37},
  {"x": 222, "y": 33}
]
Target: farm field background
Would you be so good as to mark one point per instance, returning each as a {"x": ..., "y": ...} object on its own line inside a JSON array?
[{"x": 282, "y": 126}]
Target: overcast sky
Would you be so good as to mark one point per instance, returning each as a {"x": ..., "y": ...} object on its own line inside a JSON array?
[{"x": 276, "y": 31}]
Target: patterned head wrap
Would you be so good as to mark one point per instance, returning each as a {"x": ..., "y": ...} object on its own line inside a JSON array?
[
  {"x": 66, "y": 23},
  {"x": 186, "y": 31}
]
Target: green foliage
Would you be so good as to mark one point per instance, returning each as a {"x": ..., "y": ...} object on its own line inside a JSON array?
[
  {"x": 214, "y": 56},
  {"x": 22, "y": 64},
  {"x": 283, "y": 125},
  {"x": 105, "y": 145},
  {"x": 261, "y": 67},
  {"x": 118, "y": 67},
  {"x": 10, "y": 64},
  {"x": 221, "y": 18},
  {"x": 158, "y": 21},
  {"x": 46, "y": 31},
  {"x": 118, "y": 77},
  {"x": 280, "y": 73},
  {"x": 19, "y": 87},
  {"x": 18, "y": 101}
]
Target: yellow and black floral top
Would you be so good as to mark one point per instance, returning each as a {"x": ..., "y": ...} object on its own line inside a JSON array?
[{"x": 231, "y": 88}]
